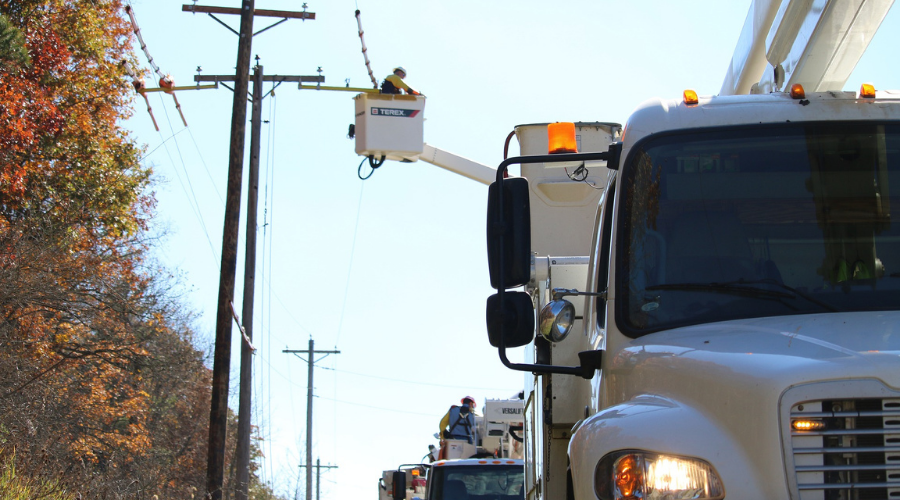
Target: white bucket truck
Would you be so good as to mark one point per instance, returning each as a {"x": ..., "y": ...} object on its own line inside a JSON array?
[
  {"x": 740, "y": 305},
  {"x": 738, "y": 271},
  {"x": 491, "y": 468},
  {"x": 737, "y": 333}
]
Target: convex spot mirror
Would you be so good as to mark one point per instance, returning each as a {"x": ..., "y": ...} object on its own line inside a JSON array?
[
  {"x": 518, "y": 317},
  {"x": 509, "y": 226},
  {"x": 556, "y": 320}
]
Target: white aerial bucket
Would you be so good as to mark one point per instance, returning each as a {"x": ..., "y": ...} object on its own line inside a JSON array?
[
  {"x": 389, "y": 125},
  {"x": 457, "y": 448}
]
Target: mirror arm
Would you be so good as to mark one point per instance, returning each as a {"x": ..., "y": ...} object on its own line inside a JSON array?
[
  {"x": 558, "y": 293},
  {"x": 590, "y": 360}
]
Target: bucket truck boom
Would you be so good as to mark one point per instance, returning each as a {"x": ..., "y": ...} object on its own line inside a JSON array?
[{"x": 816, "y": 43}]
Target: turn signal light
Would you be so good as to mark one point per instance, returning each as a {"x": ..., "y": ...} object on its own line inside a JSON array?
[
  {"x": 797, "y": 91},
  {"x": 561, "y": 138},
  {"x": 636, "y": 474},
  {"x": 867, "y": 90},
  {"x": 808, "y": 425},
  {"x": 690, "y": 97}
]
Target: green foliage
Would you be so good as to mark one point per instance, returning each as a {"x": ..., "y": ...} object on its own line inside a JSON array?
[
  {"x": 12, "y": 46},
  {"x": 15, "y": 487},
  {"x": 259, "y": 491}
]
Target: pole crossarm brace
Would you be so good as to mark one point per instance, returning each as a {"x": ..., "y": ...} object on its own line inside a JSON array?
[
  {"x": 266, "y": 78},
  {"x": 297, "y": 353},
  {"x": 284, "y": 14},
  {"x": 344, "y": 89},
  {"x": 170, "y": 89}
]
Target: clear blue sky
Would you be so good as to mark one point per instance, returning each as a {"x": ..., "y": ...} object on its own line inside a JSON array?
[{"x": 392, "y": 271}]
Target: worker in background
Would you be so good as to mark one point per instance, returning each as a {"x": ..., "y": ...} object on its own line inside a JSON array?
[
  {"x": 394, "y": 83},
  {"x": 459, "y": 422}
]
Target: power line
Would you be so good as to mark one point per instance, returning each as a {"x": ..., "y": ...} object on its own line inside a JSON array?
[
  {"x": 206, "y": 168},
  {"x": 350, "y": 265},
  {"x": 144, "y": 158},
  {"x": 367, "y": 375},
  {"x": 273, "y": 108},
  {"x": 394, "y": 410},
  {"x": 193, "y": 195}
]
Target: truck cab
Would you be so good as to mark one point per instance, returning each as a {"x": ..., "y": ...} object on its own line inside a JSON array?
[
  {"x": 477, "y": 479},
  {"x": 737, "y": 318}
]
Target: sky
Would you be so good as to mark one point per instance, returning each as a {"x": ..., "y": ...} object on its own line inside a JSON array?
[{"x": 392, "y": 271}]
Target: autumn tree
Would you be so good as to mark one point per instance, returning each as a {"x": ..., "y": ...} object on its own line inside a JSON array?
[{"x": 101, "y": 386}]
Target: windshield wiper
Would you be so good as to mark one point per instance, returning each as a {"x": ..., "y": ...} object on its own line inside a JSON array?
[
  {"x": 740, "y": 288},
  {"x": 728, "y": 288},
  {"x": 788, "y": 288}
]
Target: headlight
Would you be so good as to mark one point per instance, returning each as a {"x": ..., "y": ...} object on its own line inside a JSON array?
[{"x": 641, "y": 475}]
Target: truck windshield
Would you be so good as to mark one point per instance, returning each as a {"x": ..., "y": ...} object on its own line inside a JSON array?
[
  {"x": 477, "y": 482},
  {"x": 743, "y": 222}
]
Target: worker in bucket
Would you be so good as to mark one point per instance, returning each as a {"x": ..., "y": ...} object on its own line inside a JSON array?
[
  {"x": 393, "y": 83},
  {"x": 459, "y": 422}
]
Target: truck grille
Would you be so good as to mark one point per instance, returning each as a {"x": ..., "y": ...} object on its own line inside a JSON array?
[{"x": 854, "y": 456}]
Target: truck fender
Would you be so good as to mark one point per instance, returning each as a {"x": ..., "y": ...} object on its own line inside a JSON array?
[{"x": 660, "y": 425}]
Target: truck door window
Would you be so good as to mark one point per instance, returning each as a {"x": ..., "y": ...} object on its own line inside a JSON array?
[
  {"x": 603, "y": 257},
  {"x": 764, "y": 221}
]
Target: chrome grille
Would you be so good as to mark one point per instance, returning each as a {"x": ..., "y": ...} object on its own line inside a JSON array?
[{"x": 856, "y": 456}]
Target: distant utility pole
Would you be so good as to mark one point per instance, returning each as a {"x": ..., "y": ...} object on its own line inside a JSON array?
[
  {"x": 318, "y": 475},
  {"x": 310, "y": 353},
  {"x": 218, "y": 414}
]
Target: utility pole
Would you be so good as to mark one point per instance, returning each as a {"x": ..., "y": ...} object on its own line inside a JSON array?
[
  {"x": 242, "y": 476},
  {"x": 319, "y": 475},
  {"x": 222, "y": 357},
  {"x": 309, "y": 400},
  {"x": 218, "y": 413}
]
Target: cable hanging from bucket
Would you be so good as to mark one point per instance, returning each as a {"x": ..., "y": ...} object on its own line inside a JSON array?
[{"x": 373, "y": 163}]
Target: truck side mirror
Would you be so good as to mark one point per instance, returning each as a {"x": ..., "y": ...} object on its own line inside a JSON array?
[
  {"x": 518, "y": 314},
  {"x": 398, "y": 488},
  {"x": 511, "y": 224}
]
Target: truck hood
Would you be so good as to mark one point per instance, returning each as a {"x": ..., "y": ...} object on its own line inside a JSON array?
[
  {"x": 734, "y": 369},
  {"x": 788, "y": 347},
  {"x": 728, "y": 387}
]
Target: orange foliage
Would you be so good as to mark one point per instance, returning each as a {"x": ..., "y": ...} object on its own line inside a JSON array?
[{"x": 100, "y": 384}]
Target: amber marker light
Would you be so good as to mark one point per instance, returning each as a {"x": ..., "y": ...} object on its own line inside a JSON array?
[
  {"x": 690, "y": 97},
  {"x": 415, "y": 472},
  {"x": 797, "y": 91},
  {"x": 808, "y": 425},
  {"x": 867, "y": 90},
  {"x": 561, "y": 138},
  {"x": 628, "y": 476}
]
